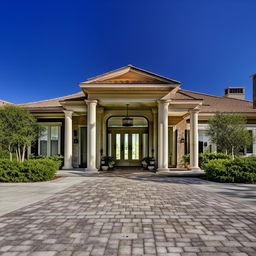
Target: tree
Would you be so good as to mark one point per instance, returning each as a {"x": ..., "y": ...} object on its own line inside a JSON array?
[
  {"x": 228, "y": 132},
  {"x": 18, "y": 130}
]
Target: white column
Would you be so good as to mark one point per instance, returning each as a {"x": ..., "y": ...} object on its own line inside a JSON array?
[
  {"x": 160, "y": 138},
  {"x": 191, "y": 145},
  {"x": 68, "y": 140},
  {"x": 194, "y": 139},
  {"x": 91, "y": 135},
  {"x": 154, "y": 110},
  {"x": 99, "y": 135},
  {"x": 163, "y": 135}
]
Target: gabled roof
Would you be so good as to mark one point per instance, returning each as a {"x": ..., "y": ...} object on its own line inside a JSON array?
[
  {"x": 211, "y": 103},
  {"x": 130, "y": 74}
]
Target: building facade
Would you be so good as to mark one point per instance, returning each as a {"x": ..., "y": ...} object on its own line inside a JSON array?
[{"x": 129, "y": 114}]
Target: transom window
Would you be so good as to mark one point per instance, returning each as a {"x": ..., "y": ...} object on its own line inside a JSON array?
[
  {"x": 117, "y": 121},
  {"x": 49, "y": 141}
]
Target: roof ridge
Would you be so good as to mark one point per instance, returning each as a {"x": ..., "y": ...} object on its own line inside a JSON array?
[
  {"x": 49, "y": 99},
  {"x": 180, "y": 91},
  {"x": 131, "y": 67},
  {"x": 222, "y": 97}
]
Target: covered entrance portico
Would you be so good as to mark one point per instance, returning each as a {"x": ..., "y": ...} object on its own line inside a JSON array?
[{"x": 150, "y": 98}]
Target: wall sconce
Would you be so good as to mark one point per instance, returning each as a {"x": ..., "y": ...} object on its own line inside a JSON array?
[
  {"x": 182, "y": 140},
  {"x": 75, "y": 137}
]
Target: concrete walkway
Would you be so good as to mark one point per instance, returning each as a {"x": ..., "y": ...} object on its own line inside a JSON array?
[{"x": 16, "y": 195}]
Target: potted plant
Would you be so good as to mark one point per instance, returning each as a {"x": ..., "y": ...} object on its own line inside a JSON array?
[
  {"x": 104, "y": 167},
  {"x": 186, "y": 160},
  {"x": 145, "y": 162},
  {"x": 152, "y": 161},
  {"x": 107, "y": 162},
  {"x": 151, "y": 167}
]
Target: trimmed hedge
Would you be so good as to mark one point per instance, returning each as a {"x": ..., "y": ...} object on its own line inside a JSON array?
[
  {"x": 29, "y": 171},
  {"x": 206, "y": 157},
  {"x": 240, "y": 170},
  {"x": 4, "y": 154},
  {"x": 58, "y": 159}
]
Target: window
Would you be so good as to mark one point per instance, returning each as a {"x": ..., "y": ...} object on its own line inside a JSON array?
[
  {"x": 249, "y": 150},
  {"x": 135, "y": 146},
  {"x": 236, "y": 90},
  {"x": 118, "y": 146},
  {"x": 204, "y": 141},
  {"x": 49, "y": 141},
  {"x": 117, "y": 121}
]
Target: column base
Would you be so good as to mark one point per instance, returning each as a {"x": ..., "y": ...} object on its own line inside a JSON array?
[
  {"x": 91, "y": 170},
  {"x": 195, "y": 169},
  {"x": 67, "y": 168},
  {"x": 162, "y": 169}
]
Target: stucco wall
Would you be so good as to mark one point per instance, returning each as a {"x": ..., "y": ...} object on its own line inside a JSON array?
[
  {"x": 181, "y": 127},
  {"x": 78, "y": 121}
]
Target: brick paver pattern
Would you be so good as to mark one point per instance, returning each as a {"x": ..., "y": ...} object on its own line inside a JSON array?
[{"x": 128, "y": 216}]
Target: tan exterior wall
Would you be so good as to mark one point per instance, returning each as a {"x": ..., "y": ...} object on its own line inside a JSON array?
[
  {"x": 78, "y": 121},
  {"x": 181, "y": 127}
]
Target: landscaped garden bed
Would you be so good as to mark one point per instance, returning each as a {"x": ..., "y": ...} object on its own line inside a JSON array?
[
  {"x": 239, "y": 170},
  {"x": 221, "y": 168},
  {"x": 31, "y": 170}
]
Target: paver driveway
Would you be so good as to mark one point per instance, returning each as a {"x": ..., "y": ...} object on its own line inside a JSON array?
[{"x": 128, "y": 216}]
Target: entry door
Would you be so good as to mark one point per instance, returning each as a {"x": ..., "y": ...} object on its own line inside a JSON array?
[
  {"x": 127, "y": 148},
  {"x": 83, "y": 147}
]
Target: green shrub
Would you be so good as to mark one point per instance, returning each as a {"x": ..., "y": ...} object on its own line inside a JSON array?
[
  {"x": 29, "y": 170},
  {"x": 186, "y": 158},
  {"x": 215, "y": 169},
  {"x": 4, "y": 154},
  {"x": 247, "y": 164},
  {"x": 58, "y": 159},
  {"x": 206, "y": 157},
  {"x": 10, "y": 171},
  {"x": 240, "y": 170}
]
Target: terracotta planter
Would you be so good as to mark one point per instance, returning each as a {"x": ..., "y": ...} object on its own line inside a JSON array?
[{"x": 186, "y": 165}]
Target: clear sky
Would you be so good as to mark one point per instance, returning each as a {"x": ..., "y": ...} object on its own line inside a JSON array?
[{"x": 48, "y": 46}]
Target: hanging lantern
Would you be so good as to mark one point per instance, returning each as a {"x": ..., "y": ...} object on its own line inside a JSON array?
[{"x": 127, "y": 121}]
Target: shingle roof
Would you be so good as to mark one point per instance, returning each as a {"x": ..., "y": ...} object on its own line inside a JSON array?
[
  {"x": 3, "y": 103},
  {"x": 52, "y": 103},
  {"x": 211, "y": 103},
  {"x": 214, "y": 104}
]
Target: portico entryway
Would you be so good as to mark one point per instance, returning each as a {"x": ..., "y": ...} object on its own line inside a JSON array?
[{"x": 162, "y": 127}]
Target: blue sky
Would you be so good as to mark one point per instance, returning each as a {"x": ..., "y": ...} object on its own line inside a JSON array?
[{"x": 47, "y": 47}]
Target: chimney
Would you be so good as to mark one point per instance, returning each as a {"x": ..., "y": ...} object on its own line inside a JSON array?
[
  {"x": 235, "y": 92},
  {"x": 254, "y": 89}
]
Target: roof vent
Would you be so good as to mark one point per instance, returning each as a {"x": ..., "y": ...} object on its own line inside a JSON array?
[{"x": 235, "y": 92}]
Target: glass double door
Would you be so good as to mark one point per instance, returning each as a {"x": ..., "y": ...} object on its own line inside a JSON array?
[{"x": 128, "y": 146}]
